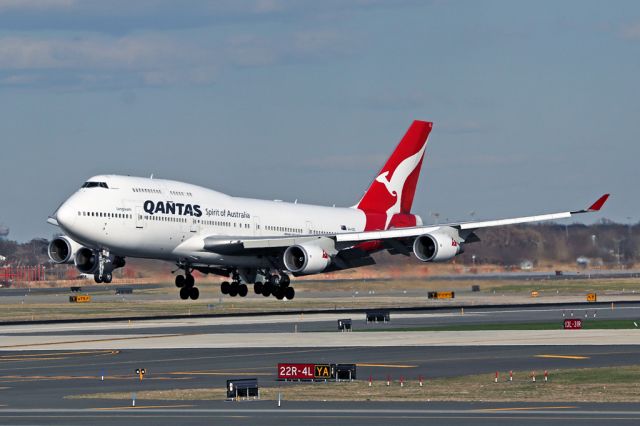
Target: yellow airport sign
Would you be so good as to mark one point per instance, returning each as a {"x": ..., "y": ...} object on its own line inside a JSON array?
[
  {"x": 82, "y": 298},
  {"x": 535, "y": 294},
  {"x": 592, "y": 297}
]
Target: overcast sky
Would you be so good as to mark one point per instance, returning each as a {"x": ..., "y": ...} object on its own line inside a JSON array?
[{"x": 535, "y": 104}]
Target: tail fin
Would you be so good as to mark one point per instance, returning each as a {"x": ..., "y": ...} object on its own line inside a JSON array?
[{"x": 393, "y": 189}]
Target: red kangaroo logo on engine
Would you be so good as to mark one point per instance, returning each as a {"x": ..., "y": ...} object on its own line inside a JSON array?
[
  {"x": 325, "y": 255},
  {"x": 454, "y": 243}
]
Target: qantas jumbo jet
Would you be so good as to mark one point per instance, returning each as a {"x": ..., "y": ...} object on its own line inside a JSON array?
[{"x": 254, "y": 241}]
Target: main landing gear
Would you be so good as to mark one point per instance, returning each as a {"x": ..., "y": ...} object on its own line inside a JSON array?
[
  {"x": 276, "y": 286},
  {"x": 235, "y": 287},
  {"x": 186, "y": 284}
]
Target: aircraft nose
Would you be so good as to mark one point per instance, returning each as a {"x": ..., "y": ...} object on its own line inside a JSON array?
[{"x": 65, "y": 215}]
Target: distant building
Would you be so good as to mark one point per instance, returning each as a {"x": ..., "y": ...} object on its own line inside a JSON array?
[{"x": 526, "y": 265}]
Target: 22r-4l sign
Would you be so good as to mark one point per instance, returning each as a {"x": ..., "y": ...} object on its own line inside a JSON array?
[{"x": 296, "y": 371}]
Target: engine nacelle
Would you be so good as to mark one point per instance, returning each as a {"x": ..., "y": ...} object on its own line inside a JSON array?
[
  {"x": 304, "y": 259},
  {"x": 86, "y": 260},
  {"x": 436, "y": 247},
  {"x": 63, "y": 250}
]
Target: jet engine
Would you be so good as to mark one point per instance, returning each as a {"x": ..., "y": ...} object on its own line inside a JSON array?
[
  {"x": 303, "y": 259},
  {"x": 63, "y": 250},
  {"x": 86, "y": 260},
  {"x": 436, "y": 247}
]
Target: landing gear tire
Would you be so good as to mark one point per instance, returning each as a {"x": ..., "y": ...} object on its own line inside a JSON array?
[
  {"x": 225, "y": 287},
  {"x": 289, "y": 293},
  {"x": 257, "y": 287},
  {"x": 233, "y": 290},
  {"x": 194, "y": 293},
  {"x": 97, "y": 278},
  {"x": 285, "y": 280},
  {"x": 107, "y": 278},
  {"x": 184, "y": 293},
  {"x": 243, "y": 290},
  {"x": 180, "y": 281},
  {"x": 189, "y": 281},
  {"x": 279, "y": 294},
  {"x": 266, "y": 290}
]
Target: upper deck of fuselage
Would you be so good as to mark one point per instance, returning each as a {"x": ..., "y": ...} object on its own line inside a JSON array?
[{"x": 151, "y": 186}]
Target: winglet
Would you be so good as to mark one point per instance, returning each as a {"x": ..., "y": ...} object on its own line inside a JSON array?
[
  {"x": 595, "y": 206},
  {"x": 598, "y": 204}
]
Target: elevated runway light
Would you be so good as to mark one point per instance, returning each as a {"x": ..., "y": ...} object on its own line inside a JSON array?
[
  {"x": 420, "y": 381},
  {"x": 140, "y": 372},
  {"x": 533, "y": 376},
  {"x": 546, "y": 376},
  {"x": 496, "y": 378},
  {"x": 370, "y": 380},
  {"x": 388, "y": 381},
  {"x": 511, "y": 376}
]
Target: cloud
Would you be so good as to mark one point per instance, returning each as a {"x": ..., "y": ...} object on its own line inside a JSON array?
[
  {"x": 463, "y": 127},
  {"x": 153, "y": 59},
  {"x": 630, "y": 31},
  {"x": 35, "y": 5},
  {"x": 124, "y": 16},
  {"x": 346, "y": 162}
]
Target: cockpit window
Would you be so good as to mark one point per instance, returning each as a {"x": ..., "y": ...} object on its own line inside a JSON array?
[{"x": 95, "y": 185}]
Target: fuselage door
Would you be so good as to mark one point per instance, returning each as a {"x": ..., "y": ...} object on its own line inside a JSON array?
[
  {"x": 139, "y": 218},
  {"x": 193, "y": 224},
  {"x": 308, "y": 226},
  {"x": 256, "y": 226}
]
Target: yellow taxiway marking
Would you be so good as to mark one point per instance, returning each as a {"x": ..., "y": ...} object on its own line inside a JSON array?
[
  {"x": 55, "y": 355},
  {"x": 386, "y": 365},
  {"x": 217, "y": 373},
  {"x": 562, "y": 356},
  {"x": 568, "y": 407},
  {"x": 129, "y": 407}
]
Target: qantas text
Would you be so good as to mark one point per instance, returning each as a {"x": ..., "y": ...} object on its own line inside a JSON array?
[{"x": 169, "y": 207}]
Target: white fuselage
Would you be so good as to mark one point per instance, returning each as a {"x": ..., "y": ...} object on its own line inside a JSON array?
[{"x": 163, "y": 219}]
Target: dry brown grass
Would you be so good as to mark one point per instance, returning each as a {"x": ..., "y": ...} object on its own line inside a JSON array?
[{"x": 619, "y": 384}]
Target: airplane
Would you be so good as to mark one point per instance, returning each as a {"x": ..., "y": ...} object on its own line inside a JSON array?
[{"x": 259, "y": 242}]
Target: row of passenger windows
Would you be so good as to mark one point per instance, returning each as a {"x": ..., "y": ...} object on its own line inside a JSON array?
[
  {"x": 147, "y": 190},
  {"x": 107, "y": 215},
  {"x": 166, "y": 219},
  {"x": 283, "y": 229},
  {"x": 181, "y": 193}
]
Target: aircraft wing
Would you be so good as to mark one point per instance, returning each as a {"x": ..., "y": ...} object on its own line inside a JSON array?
[{"x": 250, "y": 245}]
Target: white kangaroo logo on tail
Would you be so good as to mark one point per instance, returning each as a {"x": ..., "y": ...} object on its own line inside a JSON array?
[{"x": 396, "y": 184}]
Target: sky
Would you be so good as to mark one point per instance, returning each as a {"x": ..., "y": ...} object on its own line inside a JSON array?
[{"x": 535, "y": 104}]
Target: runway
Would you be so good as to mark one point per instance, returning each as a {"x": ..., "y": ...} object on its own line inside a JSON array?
[
  {"x": 364, "y": 414},
  {"x": 38, "y": 371}
]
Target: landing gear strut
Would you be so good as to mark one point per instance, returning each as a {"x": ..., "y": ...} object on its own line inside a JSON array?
[
  {"x": 186, "y": 284},
  {"x": 105, "y": 267}
]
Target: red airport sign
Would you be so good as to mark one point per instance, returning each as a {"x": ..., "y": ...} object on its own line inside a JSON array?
[
  {"x": 572, "y": 324},
  {"x": 296, "y": 371}
]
